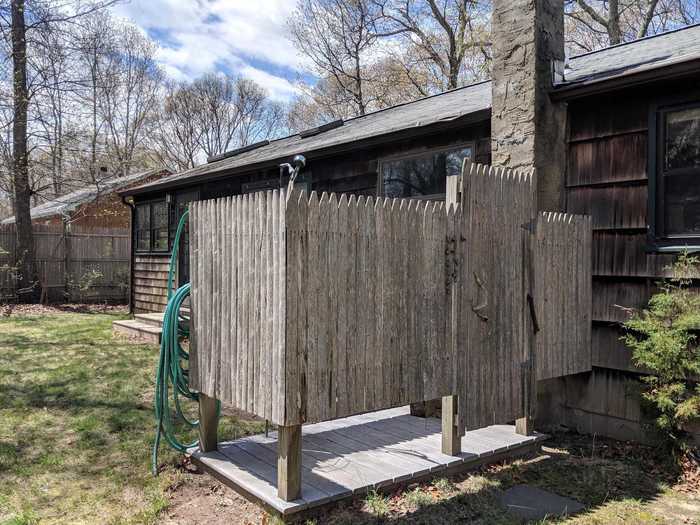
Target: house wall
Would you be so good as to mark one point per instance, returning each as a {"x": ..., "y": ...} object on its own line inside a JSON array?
[
  {"x": 107, "y": 211},
  {"x": 607, "y": 178},
  {"x": 350, "y": 172},
  {"x": 150, "y": 282},
  {"x": 358, "y": 172}
]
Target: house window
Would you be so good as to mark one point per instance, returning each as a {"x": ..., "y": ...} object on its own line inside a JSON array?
[
  {"x": 151, "y": 228},
  {"x": 422, "y": 175},
  {"x": 677, "y": 174},
  {"x": 143, "y": 228}
]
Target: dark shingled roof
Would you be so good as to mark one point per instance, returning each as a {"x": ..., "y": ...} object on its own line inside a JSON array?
[
  {"x": 70, "y": 201},
  {"x": 444, "y": 107},
  {"x": 646, "y": 54},
  {"x": 655, "y": 52}
]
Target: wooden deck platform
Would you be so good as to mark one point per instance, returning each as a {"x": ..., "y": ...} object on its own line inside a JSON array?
[{"x": 352, "y": 455}]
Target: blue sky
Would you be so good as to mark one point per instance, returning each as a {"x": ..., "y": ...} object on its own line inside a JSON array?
[{"x": 239, "y": 37}]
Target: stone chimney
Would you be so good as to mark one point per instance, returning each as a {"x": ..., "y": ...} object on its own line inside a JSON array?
[{"x": 527, "y": 128}]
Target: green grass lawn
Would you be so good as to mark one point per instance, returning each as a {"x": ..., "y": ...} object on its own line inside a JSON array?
[
  {"x": 76, "y": 426},
  {"x": 76, "y": 423}
]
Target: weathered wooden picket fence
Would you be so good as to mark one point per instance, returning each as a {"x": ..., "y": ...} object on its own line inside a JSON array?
[
  {"x": 309, "y": 308},
  {"x": 334, "y": 306},
  {"x": 84, "y": 264}
]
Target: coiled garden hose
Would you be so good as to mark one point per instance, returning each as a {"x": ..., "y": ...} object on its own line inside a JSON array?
[{"x": 172, "y": 377}]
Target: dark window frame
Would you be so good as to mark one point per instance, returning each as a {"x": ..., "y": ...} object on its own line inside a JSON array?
[
  {"x": 180, "y": 200},
  {"x": 658, "y": 239},
  {"x": 417, "y": 153},
  {"x": 150, "y": 203}
]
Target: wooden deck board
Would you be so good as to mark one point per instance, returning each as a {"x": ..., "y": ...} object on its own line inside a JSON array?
[{"x": 352, "y": 455}]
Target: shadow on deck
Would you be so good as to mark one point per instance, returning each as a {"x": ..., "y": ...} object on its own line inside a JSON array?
[{"x": 353, "y": 455}]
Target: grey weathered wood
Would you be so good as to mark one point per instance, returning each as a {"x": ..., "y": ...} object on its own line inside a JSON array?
[
  {"x": 267, "y": 453},
  {"x": 309, "y": 308},
  {"x": 289, "y": 462},
  {"x": 563, "y": 288},
  {"x": 66, "y": 251},
  {"x": 524, "y": 426},
  {"x": 208, "y": 423},
  {"x": 351, "y": 455},
  {"x": 194, "y": 377},
  {"x": 496, "y": 205},
  {"x": 451, "y": 435}
]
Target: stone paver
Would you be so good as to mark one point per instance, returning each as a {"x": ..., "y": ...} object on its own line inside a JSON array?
[{"x": 531, "y": 503}]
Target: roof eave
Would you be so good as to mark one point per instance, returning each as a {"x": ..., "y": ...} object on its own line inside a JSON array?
[
  {"x": 586, "y": 88},
  {"x": 465, "y": 120}
]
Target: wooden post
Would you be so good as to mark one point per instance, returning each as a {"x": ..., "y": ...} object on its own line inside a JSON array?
[
  {"x": 524, "y": 426},
  {"x": 67, "y": 256},
  {"x": 451, "y": 431},
  {"x": 451, "y": 436},
  {"x": 289, "y": 462},
  {"x": 208, "y": 423}
]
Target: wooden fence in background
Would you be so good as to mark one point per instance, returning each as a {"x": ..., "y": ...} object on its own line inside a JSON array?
[{"x": 86, "y": 264}]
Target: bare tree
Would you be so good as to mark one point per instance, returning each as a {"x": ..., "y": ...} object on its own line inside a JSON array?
[
  {"x": 593, "y": 24},
  {"x": 218, "y": 116},
  {"x": 369, "y": 54},
  {"x": 336, "y": 36},
  {"x": 178, "y": 136},
  {"x": 96, "y": 50},
  {"x": 439, "y": 37},
  {"x": 211, "y": 115},
  {"x": 258, "y": 118},
  {"x": 129, "y": 94},
  {"x": 21, "y": 19},
  {"x": 22, "y": 194},
  {"x": 51, "y": 91}
]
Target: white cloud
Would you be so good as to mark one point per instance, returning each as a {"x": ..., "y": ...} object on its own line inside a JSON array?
[{"x": 243, "y": 37}]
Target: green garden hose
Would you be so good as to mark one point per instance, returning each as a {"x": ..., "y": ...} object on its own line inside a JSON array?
[{"x": 172, "y": 378}]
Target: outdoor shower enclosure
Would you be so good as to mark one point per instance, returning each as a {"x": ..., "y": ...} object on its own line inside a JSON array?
[{"x": 309, "y": 308}]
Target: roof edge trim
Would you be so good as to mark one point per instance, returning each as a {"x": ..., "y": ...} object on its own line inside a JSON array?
[{"x": 237, "y": 151}]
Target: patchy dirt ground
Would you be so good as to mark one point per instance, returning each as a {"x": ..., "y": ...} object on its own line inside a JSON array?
[
  {"x": 11, "y": 309},
  {"x": 198, "y": 499},
  {"x": 617, "y": 482}
]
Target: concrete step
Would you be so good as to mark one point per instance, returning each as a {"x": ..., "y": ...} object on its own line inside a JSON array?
[
  {"x": 137, "y": 330},
  {"x": 153, "y": 319},
  {"x": 156, "y": 319}
]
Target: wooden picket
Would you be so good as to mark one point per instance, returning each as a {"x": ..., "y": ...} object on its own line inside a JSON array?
[
  {"x": 563, "y": 294},
  {"x": 493, "y": 324}
]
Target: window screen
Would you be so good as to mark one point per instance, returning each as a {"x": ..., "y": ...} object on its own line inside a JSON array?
[
  {"x": 151, "y": 229},
  {"x": 423, "y": 175},
  {"x": 143, "y": 227},
  {"x": 679, "y": 178},
  {"x": 159, "y": 226}
]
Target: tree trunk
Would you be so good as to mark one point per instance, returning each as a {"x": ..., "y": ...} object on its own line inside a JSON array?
[
  {"x": 27, "y": 283},
  {"x": 614, "y": 31},
  {"x": 453, "y": 79},
  {"x": 93, "y": 143}
]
